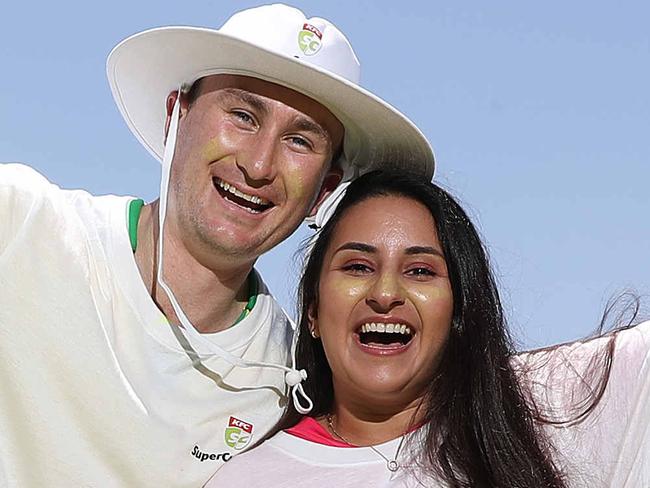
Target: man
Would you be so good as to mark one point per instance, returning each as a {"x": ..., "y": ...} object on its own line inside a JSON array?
[{"x": 137, "y": 345}]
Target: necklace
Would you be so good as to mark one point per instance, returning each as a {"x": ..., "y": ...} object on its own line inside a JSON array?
[{"x": 392, "y": 464}]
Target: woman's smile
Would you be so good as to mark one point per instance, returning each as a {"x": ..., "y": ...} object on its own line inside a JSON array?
[{"x": 385, "y": 305}]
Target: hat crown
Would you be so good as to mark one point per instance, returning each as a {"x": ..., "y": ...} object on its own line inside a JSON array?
[{"x": 287, "y": 31}]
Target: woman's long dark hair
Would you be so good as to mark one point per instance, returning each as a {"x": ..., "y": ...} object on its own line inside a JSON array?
[{"x": 478, "y": 429}]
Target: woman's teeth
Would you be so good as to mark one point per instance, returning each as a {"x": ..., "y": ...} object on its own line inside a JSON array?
[{"x": 386, "y": 328}]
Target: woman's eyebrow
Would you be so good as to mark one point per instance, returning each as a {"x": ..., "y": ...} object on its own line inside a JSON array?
[
  {"x": 357, "y": 246},
  {"x": 423, "y": 250},
  {"x": 409, "y": 251}
]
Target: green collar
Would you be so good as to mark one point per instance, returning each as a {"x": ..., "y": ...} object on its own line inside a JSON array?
[{"x": 135, "y": 207}]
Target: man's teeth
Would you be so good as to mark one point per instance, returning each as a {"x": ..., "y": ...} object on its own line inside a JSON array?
[
  {"x": 386, "y": 328},
  {"x": 251, "y": 198}
]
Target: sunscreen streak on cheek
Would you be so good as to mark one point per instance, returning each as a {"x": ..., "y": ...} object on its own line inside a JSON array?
[
  {"x": 211, "y": 150},
  {"x": 344, "y": 286},
  {"x": 430, "y": 295},
  {"x": 295, "y": 184},
  {"x": 352, "y": 291},
  {"x": 340, "y": 295}
]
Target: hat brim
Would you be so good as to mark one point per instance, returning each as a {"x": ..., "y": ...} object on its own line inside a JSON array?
[{"x": 144, "y": 68}]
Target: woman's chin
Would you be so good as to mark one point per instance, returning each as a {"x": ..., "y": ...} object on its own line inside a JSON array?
[{"x": 383, "y": 383}]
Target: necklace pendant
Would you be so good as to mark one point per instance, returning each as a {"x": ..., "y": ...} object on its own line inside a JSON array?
[{"x": 392, "y": 465}]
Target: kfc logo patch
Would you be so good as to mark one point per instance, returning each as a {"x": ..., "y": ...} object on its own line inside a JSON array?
[
  {"x": 309, "y": 39},
  {"x": 238, "y": 433}
]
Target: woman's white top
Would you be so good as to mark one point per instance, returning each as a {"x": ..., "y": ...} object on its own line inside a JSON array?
[{"x": 610, "y": 448}]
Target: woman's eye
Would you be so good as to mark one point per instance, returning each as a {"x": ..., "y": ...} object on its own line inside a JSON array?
[
  {"x": 357, "y": 268},
  {"x": 420, "y": 272}
]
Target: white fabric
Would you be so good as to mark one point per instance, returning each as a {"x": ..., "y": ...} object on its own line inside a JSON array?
[
  {"x": 610, "y": 449},
  {"x": 326, "y": 209},
  {"x": 289, "y": 461},
  {"x": 97, "y": 388}
]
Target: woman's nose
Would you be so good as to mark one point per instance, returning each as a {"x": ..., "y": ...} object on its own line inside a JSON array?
[{"x": 385, "y": 294}]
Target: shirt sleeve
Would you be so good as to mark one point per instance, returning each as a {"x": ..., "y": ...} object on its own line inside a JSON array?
[
  {"x": 608, "y": 445},
  {"x": 21, "y": 190}
]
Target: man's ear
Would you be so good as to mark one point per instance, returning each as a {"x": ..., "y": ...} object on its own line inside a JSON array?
[
  {"x": 169, "y": 108},
  {"x": 331, "y": 181}
]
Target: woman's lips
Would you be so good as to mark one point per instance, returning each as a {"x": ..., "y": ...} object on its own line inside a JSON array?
[{"x": 383, "y": 339}]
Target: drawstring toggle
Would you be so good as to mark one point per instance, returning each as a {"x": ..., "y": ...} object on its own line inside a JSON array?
[{"x": 294, "y": 377}]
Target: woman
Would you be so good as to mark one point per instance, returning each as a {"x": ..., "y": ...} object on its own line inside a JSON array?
[{"x": 411, "y": 371}]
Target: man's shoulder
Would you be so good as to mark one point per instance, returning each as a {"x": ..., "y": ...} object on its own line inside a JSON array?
[
  {"x": 25, "y": 181},
  {"x": 265, "y": 294},
  {"x": 29, "y": 201},
  {"x": 22, "y": 178},
  {"x": 268, "y": 329}
]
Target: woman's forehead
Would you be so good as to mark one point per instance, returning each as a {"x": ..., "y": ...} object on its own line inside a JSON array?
[{"x": 386, "y": 221}]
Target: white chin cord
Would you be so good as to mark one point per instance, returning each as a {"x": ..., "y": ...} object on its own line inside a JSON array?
[{"x": 293, "y": 377}]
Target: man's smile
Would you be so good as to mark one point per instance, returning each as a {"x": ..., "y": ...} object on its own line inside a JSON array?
[{"x": 251, "y": 203}]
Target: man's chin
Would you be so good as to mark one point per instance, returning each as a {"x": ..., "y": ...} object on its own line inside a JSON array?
[{"x": 245, "y": 240}]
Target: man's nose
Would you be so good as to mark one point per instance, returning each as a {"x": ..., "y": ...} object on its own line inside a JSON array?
[
  {"x": 257, "y": 159},
  {"x": 386, "y": 293}
]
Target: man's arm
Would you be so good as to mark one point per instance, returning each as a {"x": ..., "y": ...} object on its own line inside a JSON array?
[{"x": 21, "y": 190}]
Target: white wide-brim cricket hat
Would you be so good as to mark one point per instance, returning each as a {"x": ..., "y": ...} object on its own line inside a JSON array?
[{"x": 275, "y": 43}]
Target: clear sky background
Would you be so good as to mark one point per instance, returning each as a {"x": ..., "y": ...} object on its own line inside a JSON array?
[{"x": 539, "y": 113}]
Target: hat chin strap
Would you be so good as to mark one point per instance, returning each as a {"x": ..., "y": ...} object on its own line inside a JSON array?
[{"x": 293, "y": 377}]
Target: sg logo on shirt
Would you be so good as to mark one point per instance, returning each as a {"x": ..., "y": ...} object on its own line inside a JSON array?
[{"x": 238, "y": 434}]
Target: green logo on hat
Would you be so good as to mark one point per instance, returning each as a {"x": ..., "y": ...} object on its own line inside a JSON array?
[{"x": 309, "y": 40}]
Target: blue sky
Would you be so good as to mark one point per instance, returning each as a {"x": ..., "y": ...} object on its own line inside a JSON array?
[{"x": 539, "y": 114}]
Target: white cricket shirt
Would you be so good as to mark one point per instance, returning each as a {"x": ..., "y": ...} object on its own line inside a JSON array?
[{"x": 96, "y": 388}]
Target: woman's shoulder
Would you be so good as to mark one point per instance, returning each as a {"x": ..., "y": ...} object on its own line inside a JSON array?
[
  {"x": 609, "y": 371},
  {"x": 628, "y": 343},
  {"x": 592, "y": 398}
]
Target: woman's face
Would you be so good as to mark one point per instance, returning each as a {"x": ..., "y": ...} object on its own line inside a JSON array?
[{"x": 385, "y": 303}]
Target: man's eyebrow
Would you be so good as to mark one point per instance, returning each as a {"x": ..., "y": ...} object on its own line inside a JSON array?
[
  {"x": 423, "y": 250},
  {"x": 308, "y": 125},
  {"x": 357, "y": 246},
  {"x": 249, "y": 99}
]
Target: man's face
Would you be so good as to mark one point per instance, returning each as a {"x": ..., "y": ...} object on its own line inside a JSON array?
[{"x": 252, "y": 159}]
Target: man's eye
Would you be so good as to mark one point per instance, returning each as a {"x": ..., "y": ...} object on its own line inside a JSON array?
[
  {"x": 300, "y": 142},
  {"x": 243, "y": 116}
]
